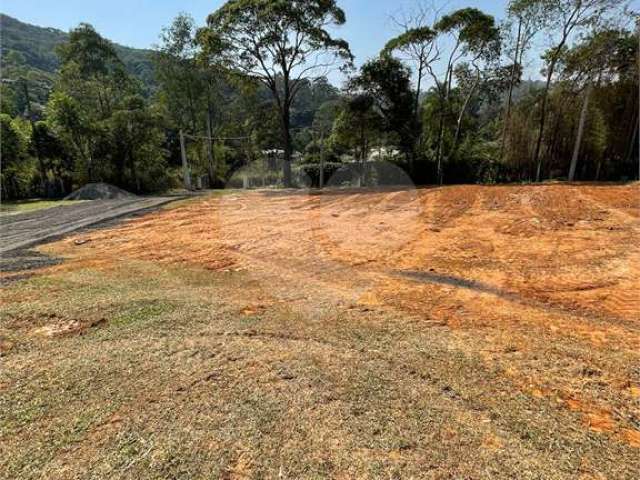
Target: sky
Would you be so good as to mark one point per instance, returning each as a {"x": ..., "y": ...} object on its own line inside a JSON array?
[{"x": 137, "y": 23}]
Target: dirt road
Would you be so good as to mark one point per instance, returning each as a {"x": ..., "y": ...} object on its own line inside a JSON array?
[{"x": 24, "y": 230}]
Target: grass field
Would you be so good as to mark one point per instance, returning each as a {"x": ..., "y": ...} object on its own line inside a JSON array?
[{"x": 458, "y": 332}]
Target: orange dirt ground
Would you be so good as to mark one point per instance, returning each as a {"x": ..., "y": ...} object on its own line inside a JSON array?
[{"x": 543, "y": 281}]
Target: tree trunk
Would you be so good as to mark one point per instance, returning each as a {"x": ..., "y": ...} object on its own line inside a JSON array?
[
  {"x": 286, "y": 166},
  {"x": 465, "y": 105},
  {"x": 416, "y": 119},
  {"x": 568, "y": 27},
  {"x": 632, "y": 145},
  {"x": 286, "y": 131},
  {"x": 632, "y": 142},
  {"x": 510, "y": 95},
  {"x": 186, "y": 174},
  {"x": 90, "y": 167},
  {"x": 583, "y": 119},
  {"x": 439, "y": 146},
  {"x": 134, "y": 173},
  {"x": 543, "y": 118},
  {"x": 321, "y": 179}
]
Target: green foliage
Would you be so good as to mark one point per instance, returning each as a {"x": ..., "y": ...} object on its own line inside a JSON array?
[
  {"x": 357, "y": 126},
  {"x": 77, "y": 108},
  {"x": 410, "y": 39},
  {"x": 387, "y": 82},
  {"x": 18, "y": 169},
  {"x": 474, "y": 30},
  {"x": 32, "y": 49},
  {"x": 277, "y": 43},
  {"x": 103, "y": 122}
]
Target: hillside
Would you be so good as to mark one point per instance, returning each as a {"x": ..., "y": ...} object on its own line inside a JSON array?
[{"x": 33, "y": 47}]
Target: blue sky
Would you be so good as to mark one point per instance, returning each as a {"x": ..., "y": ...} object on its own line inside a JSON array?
[{"x": 137, "y": 23}]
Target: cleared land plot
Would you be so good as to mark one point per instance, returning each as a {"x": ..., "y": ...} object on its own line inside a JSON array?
[{"x": 460, "y": 332}]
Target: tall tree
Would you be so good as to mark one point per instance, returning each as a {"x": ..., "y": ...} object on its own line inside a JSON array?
[
  {"x": 586, "y": 65},
  {"x": 564, "y": 18},
  {"x": 91, "y": 83},
  {"x": 528, "y": 17},
  {"x": 358, "y": 125},
  {"x": 189, "y": 90},
  {"x": 418, "y": 46},
  {"x": 278, "y": 43},
  {"x": 388, "y": 83},
  {"x": 91, "y": 69},
  {"x": 473, "y": 38}
]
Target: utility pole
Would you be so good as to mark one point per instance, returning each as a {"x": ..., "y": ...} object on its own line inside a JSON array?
[{"x": 185, "y": 165}]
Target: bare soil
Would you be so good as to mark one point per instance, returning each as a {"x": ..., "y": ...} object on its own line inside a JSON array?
[{"x": 457, "y": 332}]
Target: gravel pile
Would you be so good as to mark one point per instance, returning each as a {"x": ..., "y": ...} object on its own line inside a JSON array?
[{"x": 99, "y": 191}]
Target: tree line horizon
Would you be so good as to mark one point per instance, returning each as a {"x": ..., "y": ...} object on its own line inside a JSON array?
[{"x": 446, "y": 94}]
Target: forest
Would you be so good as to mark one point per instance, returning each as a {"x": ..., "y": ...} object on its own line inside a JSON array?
[{"x": 449, "y": 99}]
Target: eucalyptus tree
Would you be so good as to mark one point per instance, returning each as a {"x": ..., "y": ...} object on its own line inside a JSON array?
[
  {"x": 278, "y": 43},
  {"x": 181, "y": 84},
  {"x": 91, "y": 71},
  {"x": 358, "y": 125},
  {"x": 473, "y": 38},
  {"x": 416, "y": 45},
  {"x": 563, "y": 19},
  {"x": 525, "y": 20},
  {"x": 586, "y": 66}
]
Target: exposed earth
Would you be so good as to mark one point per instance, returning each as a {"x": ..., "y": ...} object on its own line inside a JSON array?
[{"x": 455, "y": 332}]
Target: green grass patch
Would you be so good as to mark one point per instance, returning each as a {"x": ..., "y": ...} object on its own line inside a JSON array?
[{"x": 141, "y": 311}]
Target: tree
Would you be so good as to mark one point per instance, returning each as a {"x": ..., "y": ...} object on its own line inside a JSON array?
[
  {"x": 136, "y": 135},
  {"x": 67, "y": 119},
  {"x": 358, "y": 125},
  {"x": 177, "y": 73},
  {"x": 473, "y": 37},
  {"x": 189, "y": 89},
  {"x": 388, "y": 83},
  {"x": 17, "y": 170},
  {"x": 91, "y": 85},
  {"x": 91, "y": 70},
  {"x": 277, "y": 43},
  {"x": 529, "y": 17},
  {"x": 416, "y": 45},
  {"x": 51, "y": 156},
  {"x": 586, "y": 66},
  {"x": 563, "y": 18}
]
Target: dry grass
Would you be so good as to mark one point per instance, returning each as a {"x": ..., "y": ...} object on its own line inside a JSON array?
[{"x": 464, "y": 332}]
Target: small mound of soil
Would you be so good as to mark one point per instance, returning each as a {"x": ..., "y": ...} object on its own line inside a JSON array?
[{"x": 99, "y": 191}]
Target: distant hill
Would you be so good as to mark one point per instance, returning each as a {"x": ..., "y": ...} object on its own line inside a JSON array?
[{"x": 33, "y": 47}]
